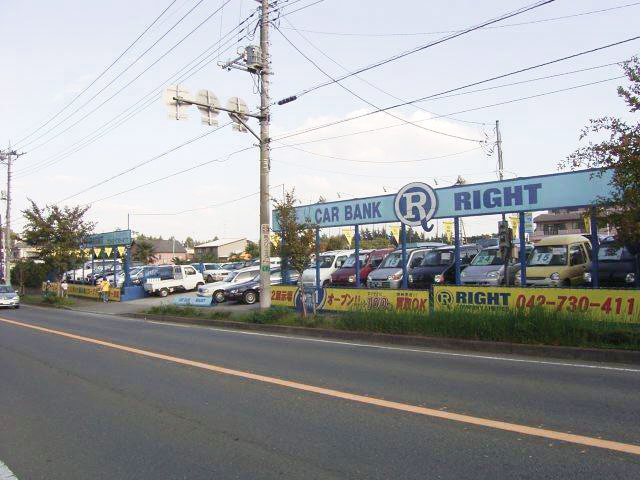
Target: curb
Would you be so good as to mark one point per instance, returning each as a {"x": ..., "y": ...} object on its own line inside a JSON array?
[{"x": 549, "y": 351}]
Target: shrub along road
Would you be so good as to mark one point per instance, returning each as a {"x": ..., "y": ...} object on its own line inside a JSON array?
[{"x": 93, "y": 396}]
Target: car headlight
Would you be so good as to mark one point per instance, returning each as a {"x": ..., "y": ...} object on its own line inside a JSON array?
[
  {"x": 410, "y": 278},
  {"x": 352, "y": 278},
  {"x": 395, "y": 276},
  {"x": 464, "y": 274},
  {"x": 493, "y": 274},
  {"x": 630, "y": 278},
  {"x": 438, "y": 278},
  {"x": 587, "y": 277},
  {"x": 555, "y": 276}
]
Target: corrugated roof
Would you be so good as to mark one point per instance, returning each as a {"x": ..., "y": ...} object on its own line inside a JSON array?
[{"x": 220, "y": 242}]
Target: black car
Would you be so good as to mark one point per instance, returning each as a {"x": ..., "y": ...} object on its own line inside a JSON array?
[
  {"x": 616, "y": 266},
  {"x": 247, "y": 292},
  {"x": 437, "y": 266}
]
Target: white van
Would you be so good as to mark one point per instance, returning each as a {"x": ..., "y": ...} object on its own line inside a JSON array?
[{"x": 329, "y": 263}]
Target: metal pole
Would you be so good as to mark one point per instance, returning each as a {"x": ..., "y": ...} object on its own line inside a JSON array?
[
  {"x": 127, "y": 267},
  {"x": 357, "y": 235},
  {"x": 523, "y": 251},
  {"x": 115, "y": 266},
  {"x": 128, "y": 222},
  {"x": 595, "y": 246},
  {"x": 317, "y": 258},
  {"x": 405, "y": 270},
  {"x": 265, "y": 283},
  {"x": 456, "y": 232},
  {"x": 284, "y": 267},
  {"x": 7, "y": 240},
  {"x": 501, "y": 175}
]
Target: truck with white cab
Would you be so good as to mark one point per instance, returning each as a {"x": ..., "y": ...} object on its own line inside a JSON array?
[{"x": 173, "y": 278}]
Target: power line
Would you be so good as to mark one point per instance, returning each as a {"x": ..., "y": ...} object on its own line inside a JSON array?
[
  {"x": 440, "y": 32},
  {"x": 127, "y": 84},
  {"x": 370, "y": 103},
  {"x": 427, "y": 45},
  {"x": 490, "y": 79},
  {"x": 146, "y": 162},
  {"x": 101, "y": 74},
  {"x": 358, "y": 76},
  {"x": 153, "y": 93}
]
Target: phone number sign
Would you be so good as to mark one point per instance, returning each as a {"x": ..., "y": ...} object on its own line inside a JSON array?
[{"x": 617, "y": 305}]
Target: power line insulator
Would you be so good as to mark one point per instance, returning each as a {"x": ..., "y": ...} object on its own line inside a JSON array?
[{"x": 287, "y": 100}]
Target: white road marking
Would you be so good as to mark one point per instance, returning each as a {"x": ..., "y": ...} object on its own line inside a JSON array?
[
  {"x": 5, "y": 473},
  {"x": 403, "y": 349}
]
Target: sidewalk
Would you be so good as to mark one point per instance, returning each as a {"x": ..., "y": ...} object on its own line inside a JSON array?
[{"x": 139, "y": 306}]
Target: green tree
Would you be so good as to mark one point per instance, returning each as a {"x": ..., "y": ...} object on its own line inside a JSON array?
[
  {"x": 57, "y": 233},
  {"x": 618, "y": 150},
  {"x": 252, "y": 249},
  {"x": 144, "y": 251},
  {"x": 189, "y": 242},
  {"x": 299, "y": 239}
]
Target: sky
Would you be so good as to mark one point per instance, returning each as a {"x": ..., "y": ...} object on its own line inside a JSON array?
[{"x": 52, "y": 51}]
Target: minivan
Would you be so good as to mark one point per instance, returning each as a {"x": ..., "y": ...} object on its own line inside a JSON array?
[
  {"x": 329, "y": 263},
  {"x": 369, "y": 261},
  {"x": 437, "y": 266},
  {"x": 558, "y": 261},
  {"x": 389, "y": 273}
]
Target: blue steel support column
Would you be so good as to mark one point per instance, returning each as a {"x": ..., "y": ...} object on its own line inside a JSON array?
[
  {"x": 284, "y": 264},
  {"x": 595, "y": 245},
  {"x": 115, "y": 266},
  {"x": 357, "y": 255},
  {"x": 523, "y": 251},
  {"x": 456, "y": 232},
  {"x": 317, "y": 258},
  {"x": 127, "y": 267},
  {"x": 93, "y": 264},
  {"x": 405, "y": 270}
]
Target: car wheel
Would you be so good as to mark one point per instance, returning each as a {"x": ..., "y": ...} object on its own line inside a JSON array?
[
  {"x": 567, "y": 283},
  {"x": 209, "y": 279},
  {"x": 326, "y": 283},
  {"x": 198, "y": 285},
  {"x": 218, "y": 296},
  {"x": 249, "y": 297},
  {"x": 164, "y": 292},
  {"x": 17, "y": 306}
]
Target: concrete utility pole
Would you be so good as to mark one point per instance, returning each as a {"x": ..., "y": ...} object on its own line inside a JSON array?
[
  {"x": 265, "y": 241},
  {"x": 7, "y": 156},
  {"x": 501, "y": 175}
]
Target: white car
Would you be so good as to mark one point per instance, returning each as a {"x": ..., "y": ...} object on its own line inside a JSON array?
[
  {"x": 9, "y": 298},
  {"x": 329, "y": 263},
  {"x": 174, "y": 278},
  {"x": 212, "y": 272},
  {"x": 217, "y": 289}
]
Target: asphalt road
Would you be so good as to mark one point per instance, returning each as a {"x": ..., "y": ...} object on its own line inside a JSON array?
[{"x": 74, "y": 409}]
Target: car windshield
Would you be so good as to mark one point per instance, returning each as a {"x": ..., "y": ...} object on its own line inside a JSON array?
[
  {"x": 393, "y": 260},
  {"x": 613, "y": 253},
  {"x": 437, "y": 257},
  {"x": 230, "y": 277},
  {"x": 548, "y": 255},
  {"x": 6, "y": 289},
  {"x": 325, "y": 261},
  {"x": 351, "y": 261},
  {"x": 487, "y": 257},
  {"x": 135, "y": 271}
]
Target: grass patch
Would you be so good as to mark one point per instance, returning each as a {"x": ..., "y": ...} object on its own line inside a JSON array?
[
  {"x": 536, "y": 327},
  {"x": 48, "y": 300},
  {"x": 187, "y": 311}
]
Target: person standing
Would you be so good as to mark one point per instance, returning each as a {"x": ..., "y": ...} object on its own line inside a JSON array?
[
  {"x": 105, "y": 286},
  {"x": 63, "y": 288}
]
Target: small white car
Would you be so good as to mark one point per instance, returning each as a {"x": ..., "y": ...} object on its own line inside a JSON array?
[
  {"x": 212, "y": 272},
  {"x": 9, "y": 298}
]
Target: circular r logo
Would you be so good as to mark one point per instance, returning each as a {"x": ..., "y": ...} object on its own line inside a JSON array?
[
  {"x": 415, "y": 204},
  {"x": 444, "y": 298}
]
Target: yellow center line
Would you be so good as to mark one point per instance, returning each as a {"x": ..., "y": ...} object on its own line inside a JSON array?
[{"x": 483, "y": 422}]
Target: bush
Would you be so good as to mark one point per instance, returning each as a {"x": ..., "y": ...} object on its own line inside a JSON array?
[
  {"x": 188, "y": 311},
  {"x": 28, "y": 273}
]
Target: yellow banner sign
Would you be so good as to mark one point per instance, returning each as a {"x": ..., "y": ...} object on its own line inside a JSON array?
[
  {"x": 395, "y": 231},
  {"x": 87, "y": 291},
  {"x": 121, "y": 250},
  {"x": 345, "y": 299},
  {"x": 447, "y": 226},
  {"x": 615, "y": 305},
  {"x": 283, "y": 295},
  {"x": 514, "y": 222},
  {"x": 97, "y": 251},
  {"x": 348, "y": 234},
  {"x": 108, "y": 251}
]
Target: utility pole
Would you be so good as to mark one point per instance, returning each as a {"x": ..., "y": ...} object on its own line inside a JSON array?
[
  {"x": 507, "y": 253},
  {"x": 7, "y": 156},
  {"x": 265, "y": 241},
  {"x": 254, "y": 60}
]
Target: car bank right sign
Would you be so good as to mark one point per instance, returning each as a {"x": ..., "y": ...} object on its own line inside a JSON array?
[{"x": 615, "y": 305}]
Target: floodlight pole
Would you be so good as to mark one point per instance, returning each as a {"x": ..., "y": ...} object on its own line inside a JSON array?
[{"x": 265, "y": 243}]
